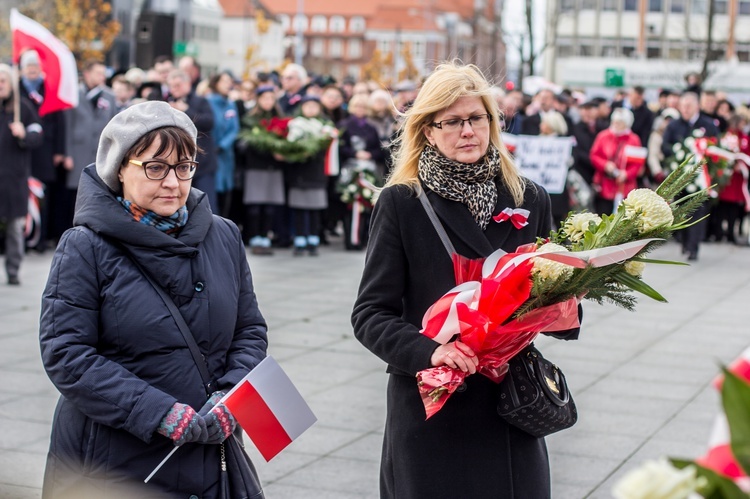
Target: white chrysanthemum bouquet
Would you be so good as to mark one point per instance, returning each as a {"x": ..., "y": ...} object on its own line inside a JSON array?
[
  {"x": 644, "y": 215},
  {"x": 503, "y": 302}
]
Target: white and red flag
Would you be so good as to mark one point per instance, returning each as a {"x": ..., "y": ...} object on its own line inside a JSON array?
[
  {"x": 635, "y": 154},
  {"x": 56, "y": 61},
  {"x": 269, "y": 408}
]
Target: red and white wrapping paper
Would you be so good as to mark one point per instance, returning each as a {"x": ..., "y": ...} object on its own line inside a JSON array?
[
  {"x": 269, "y": 408},
  {"x": 480, "y": 307}
]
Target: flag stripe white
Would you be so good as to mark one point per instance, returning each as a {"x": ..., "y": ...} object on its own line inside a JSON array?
[{"x": 282, "y": 397}]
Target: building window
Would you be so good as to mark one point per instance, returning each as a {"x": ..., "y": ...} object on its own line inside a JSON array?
[
  {"x": 653, "y": 52},
  {"x": 743, "y": 55},
  {"x": 564, "y": 51},
  {"x": 317, "y": 47},
  {"x": 676, "y": 53},
  {"x": 744, "y": 7},
  {"x": 318, "y": 24},
  {"x": 418, "y": 49},
  {"x": 384, "y": 46},
  {"x": 587, "y": 50},
  {"x": 300, "y": 22},
  {"x": 720, "y": 6},
  {"x": 677, "y": 6},
  {"x": 357, "y": 24},
  {"x": 588, "y": 5},
  {"x": 338, "y": 24},
  {"x": 609, "y": 51},
  {"x": 610, "y": 4},
  {"x": 355, "y": 48},
  {"x": 630, "y": 5},
  {"x": 654, "y": 5},
  {"x": 698, "y": 6},
  {"x": 354, "y": 70},
  {"x": 567, "y": 5},
  {"x": 284, "y": 21},
  {"x": 628, "y": 50},
  {"x": 335, "y": 47}
]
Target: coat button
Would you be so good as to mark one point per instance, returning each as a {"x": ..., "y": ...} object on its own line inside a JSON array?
[
  {"x": 199, "y": 286},
  {"x": 461, "y": 387},
  {"x": 193, "y": 496}
]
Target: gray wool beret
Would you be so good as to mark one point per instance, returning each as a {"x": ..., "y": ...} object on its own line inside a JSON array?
[{"x": 124, "y": 130}]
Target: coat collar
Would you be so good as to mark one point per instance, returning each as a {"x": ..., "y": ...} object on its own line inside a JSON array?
[{"x": 457, "y": 218}]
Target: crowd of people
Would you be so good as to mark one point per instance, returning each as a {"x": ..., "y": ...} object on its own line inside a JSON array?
[{"x": 282, "y": 204}]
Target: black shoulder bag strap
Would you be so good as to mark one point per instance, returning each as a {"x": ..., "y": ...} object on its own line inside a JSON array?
[
  {"x": 436, "y": 222},
  {"x": 198, "y": 357}
]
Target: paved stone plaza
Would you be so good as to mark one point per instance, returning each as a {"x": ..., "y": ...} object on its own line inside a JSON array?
[{"x": 641, "y": 380}]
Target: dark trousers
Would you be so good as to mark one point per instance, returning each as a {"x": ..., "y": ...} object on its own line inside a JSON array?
[
  {"x": 693, "y": 235},
  {"x": 259, "y": 219},
  {"x": 306, "y": 222}
]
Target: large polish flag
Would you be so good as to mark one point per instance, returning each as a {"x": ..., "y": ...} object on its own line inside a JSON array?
[
  {"x": 269, "y": 408},
  {"x": 55, "y": 59}
]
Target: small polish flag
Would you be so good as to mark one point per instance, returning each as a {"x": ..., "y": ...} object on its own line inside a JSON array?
[
  {"x": 269, "y": 408},
  {"x": 55, "y": 59},
  {"x": 332, "y": 158},
  {"x": 510, "y": 142},
  {"x": 635, "y": 154}
]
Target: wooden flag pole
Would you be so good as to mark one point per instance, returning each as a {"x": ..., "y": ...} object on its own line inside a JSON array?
[{"x": 16, "y": 95}]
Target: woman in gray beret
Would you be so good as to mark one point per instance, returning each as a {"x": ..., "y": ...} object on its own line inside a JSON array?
[{"x": 148, "y": 318}]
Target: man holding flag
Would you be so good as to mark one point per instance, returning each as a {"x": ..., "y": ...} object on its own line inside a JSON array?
[{"x": 19, "y": 133}]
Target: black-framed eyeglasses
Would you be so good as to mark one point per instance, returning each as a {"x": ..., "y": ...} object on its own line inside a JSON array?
[
  {"x": 156, "y": 169},
  {"x": 477, "y": 122}
]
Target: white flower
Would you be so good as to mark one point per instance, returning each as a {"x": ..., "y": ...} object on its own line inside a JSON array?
[
  {"x": 658, "y": 480},
  {"x": 634, "y": 268},
  {"x": 679, "y": 155},
  {"x": 550, "y": 269},
  {"x": 676, "y": 147},
  {"x": 690, "y": 143},
  {"x": 352, "y": 188},
  {"x": 649, "y": 208},
  {"x": 699, "y": 132},
  {"x": 691, "y": 188},
  {"x": 577, "y": 225},
  {"x": 366, "y": 193}
]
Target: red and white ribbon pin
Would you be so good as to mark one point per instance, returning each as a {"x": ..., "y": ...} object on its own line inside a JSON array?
[{"x": 518, "y": 217}]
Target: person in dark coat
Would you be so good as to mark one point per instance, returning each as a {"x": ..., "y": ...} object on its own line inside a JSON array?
[
  {"x": 359, "y": 148},
  {"x": 45, "y": 159},
  {"x": 183, "y": 98},
  {"x": 307, "y": 187},
  {"x": 130, "y": 389},
  {"x": 677, "y": 131},
  {"x": 17, "y": 139},
  {"x": 456, "y": 156},
  {"x": 643, "y": 118}
]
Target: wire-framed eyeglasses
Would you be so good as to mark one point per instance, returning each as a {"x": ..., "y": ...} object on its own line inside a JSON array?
[
  {"x": 156, "y": 169},
  {"x": 477, "y": 122}
]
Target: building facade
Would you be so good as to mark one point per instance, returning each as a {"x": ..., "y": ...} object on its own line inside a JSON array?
[{"x": 645, "y": 42}]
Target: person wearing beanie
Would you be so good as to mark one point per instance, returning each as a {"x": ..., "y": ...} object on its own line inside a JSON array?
[
  {"x": 17, "y": 140},
  {"x": 145, "y": 253},
  {"x": 83, "y": 125},
  {"x": 47, "y": 159}
]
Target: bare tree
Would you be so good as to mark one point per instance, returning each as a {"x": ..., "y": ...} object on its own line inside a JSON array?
[
  {"x": 527, "y": 52},
  {"x": 709, "y": 55}
]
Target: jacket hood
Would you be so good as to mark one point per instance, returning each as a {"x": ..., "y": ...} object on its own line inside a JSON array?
[{"x": 98, "y": 209}]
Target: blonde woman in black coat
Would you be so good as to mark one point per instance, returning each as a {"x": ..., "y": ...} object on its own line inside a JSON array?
[{"x": 451, "y": 148}]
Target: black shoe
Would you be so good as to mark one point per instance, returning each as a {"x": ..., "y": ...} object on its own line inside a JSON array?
[
  {"x": 13, "y": 280},
  {"x": 313, "y": 250},
  {"x": 299, "y": 251},
  {"x": 693, "y": 256}
]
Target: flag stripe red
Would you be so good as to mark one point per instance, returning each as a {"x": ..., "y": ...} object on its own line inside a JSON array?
[{"x": 258, "y": 421}]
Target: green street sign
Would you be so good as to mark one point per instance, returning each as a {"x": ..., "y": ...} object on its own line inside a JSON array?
[
  {"x": 185, "y": 48},
  {"x": 614, "y": 77}
]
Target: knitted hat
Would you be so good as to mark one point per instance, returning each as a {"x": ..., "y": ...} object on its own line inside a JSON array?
[
  {"x": 124, "y": 130},
  {"x": 29, "y": 57}
]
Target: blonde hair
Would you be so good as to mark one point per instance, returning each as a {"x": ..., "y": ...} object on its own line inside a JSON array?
[{"x": 448, "y": 83}]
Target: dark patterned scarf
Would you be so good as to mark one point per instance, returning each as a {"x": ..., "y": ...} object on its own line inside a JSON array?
[
  {"x": 472, "y": 184},
  {"x": 169, "y": 225}
]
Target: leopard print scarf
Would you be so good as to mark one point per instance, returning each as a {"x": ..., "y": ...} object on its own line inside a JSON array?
[{"x": 471, "y": 184}]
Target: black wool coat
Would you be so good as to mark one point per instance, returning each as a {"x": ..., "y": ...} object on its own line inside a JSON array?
[
  {"x": 466, "y": 449},
  {"x": 113, "y": 350},
  {"x": 15, "y": 167}
]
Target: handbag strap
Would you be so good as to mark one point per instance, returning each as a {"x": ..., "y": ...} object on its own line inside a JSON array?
[
  {"x": 436, "y": 222},
  {"x": 198, "y": 357}
]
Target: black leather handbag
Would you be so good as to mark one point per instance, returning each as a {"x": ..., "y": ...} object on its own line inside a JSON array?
[{"x": 534, "y": 395}]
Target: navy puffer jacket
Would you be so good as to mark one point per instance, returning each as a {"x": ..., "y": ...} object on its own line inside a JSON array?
[{"x": 115, "y": 353}]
